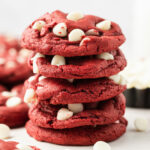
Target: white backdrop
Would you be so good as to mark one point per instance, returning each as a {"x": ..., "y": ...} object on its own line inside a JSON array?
[{"x": 15, "y": 15}]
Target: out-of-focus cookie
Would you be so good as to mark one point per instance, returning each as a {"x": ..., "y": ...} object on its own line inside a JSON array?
[{"x": 13, "y": 111}]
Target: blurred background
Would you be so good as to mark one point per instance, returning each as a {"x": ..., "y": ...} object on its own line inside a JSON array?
[{"x": 132, "y": 15}]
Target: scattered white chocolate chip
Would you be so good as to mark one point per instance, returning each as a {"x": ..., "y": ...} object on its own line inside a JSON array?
[
  {"x": 38, "y": 25},
  {"x": 31, "y": 78},
  {"x": 41, "y": 78},
  {"x": 60, "y": 29},
  {"x": 10, "y": 64},
  {"x": 76, "y": 108},
  {"x": 12, "y": 51},
  {"x": 104, "y": 25},
  {"x": 2, "y": 61},
  {"x": 84, "y": 40},
  {"x": 141, "y": 124},
  {"x": 29, "y": 95},
  {"x": 76, "y": 35},
  {"x": 119, "y": 79},
  {"x": 64, "y": 114},
  {"x": 70, "y": 80},
  {"x": 106, "y": 56},
  {"x": 74, "y": 16},
  {"x": 4, "y": 131},
  {"x": 23, "y": 147},
  {"x": 35, "y": 67},
  {"x": 58, "y": 60},
  {"x": 13, "y": 101},
  {"x": 7, "y": 94},
  {"x": 92, "y": 32},
  {"x": 100, "y": 145}
]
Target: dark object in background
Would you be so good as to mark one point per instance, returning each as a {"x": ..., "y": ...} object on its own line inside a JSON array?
[{"x": 139, "y": 98}]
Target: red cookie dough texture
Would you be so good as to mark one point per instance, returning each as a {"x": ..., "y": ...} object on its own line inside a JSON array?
[
  {"x": 43, "y": 40},
  {"x": 13, "y": 111},
  {"x": 12, "y": 145},
  {"x": 60, "y": 91},
  {"x": 86, "y": 135},
  {"x": 13, "y": 61},
  {"x": 106, "y": 112},
  {"x": 81, "y": 67},
  {"x": 76, "y": 92}
]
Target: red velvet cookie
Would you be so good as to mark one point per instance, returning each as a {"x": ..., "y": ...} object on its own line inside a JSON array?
[
  {"x": 13, "y": 62},
  {"x": 106, "y": 112},
  {"x": 12, "y": 145},
  {"x": 60, "y": 91},
  {"x": 58, "y": 33},
  {"x": 2, "y": 88},
  {"x": 87, "y": 135},
  {"x": 13, "y": 111},
  {"x": 80, "y": 67}
]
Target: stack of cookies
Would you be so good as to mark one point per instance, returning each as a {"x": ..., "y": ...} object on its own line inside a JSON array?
[{"x": 76, "y": 92}]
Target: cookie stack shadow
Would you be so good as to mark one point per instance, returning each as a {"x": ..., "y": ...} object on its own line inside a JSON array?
[{"x": 76, "y": 94}]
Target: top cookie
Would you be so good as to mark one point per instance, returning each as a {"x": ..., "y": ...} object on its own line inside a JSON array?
[{"x": 72, "y": 34}]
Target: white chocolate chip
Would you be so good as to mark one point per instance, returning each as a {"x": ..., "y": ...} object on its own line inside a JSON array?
[
  {"x": 119, "y": 79},
  {"x": 104, "y": 25},
  {"x": 76, "y": 108},
  {"x": 41, "y": 78},
  {"x": 13, "y": 101},
  {"x": 84, "y": 40},
  {"x": 29, "y": 95},
  {"x": 92, "y": 32},
  {"x": 74, "y": 16},
  {"x": 4, "y": 131},
  {"x": 76, "y": 35},
  {"x": 106, "y": 56},
  {"x": 64, "y": 114},
  {"x": 100, "y": 145},
  {"x": 35, "y": 67},
  {"x": 7, "y": 94},
  {"x": 141, "y": 124},
  {"x": 10, "y": 64},
  {"x": 24, "y": 52},
  {"x": 70, "y": 80},
  {"x": 58, "y": 60},
  {"x": 38, "y": 25},
  {"x": 2, "y": 61},
  {"x": 12, "y": 51},
  {"x": 23, "y": 147},
  {"x": 31, "y": 78},
  {"x": 21, "y": 59},
  {"x": 60, "y": 30}
]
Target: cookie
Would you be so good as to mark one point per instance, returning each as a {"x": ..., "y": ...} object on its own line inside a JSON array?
[
  {"x": 8, "y": 42},
  {"x": 79, "y": 67},
  {"x": 13, "y": 62},
  {"x": 102, "y": 113},
  {"x": 60, "y": 91},
  {"x": 13, "y": 111},
  {"x": 87, "y": 135},
  {"x": 12, "y": 145},
  {"x": 56, "y": 34},
  {"x": 2, "y": 88}
]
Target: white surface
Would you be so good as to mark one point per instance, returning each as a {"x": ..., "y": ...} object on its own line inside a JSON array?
[{"x": 132, "y": 140}]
